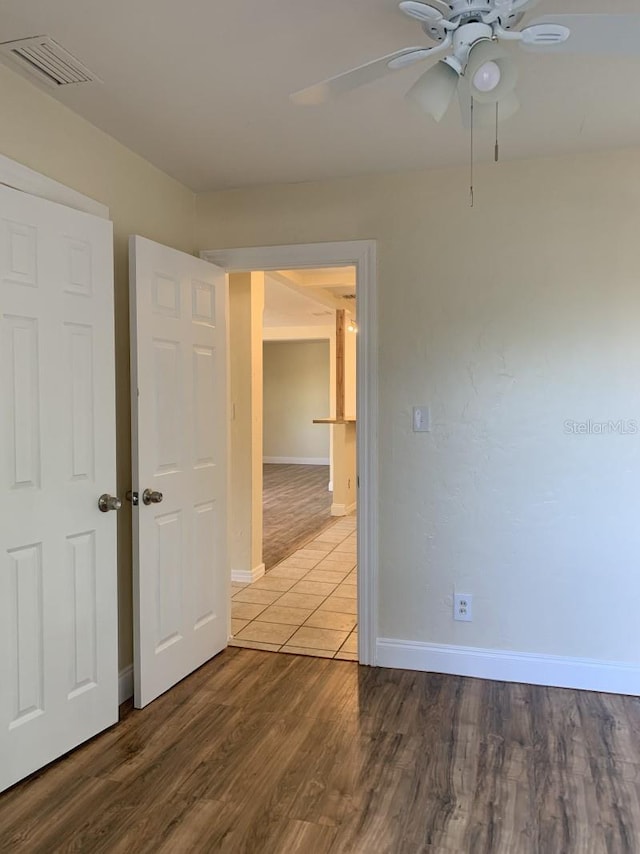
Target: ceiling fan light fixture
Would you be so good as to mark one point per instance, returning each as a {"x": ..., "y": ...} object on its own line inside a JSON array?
[
  {"x": 491, "y": 73},
  {"x": 435, "y": 90},
  {"x": 487, "y": 77}
]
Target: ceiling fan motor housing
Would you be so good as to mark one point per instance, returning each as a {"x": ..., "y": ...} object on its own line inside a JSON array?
[
  {"x": 465, "y": 9},
  {"x": 467, "y": 37}
]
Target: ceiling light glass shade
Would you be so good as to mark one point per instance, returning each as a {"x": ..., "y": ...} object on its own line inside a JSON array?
[
  {"x": 435, "y": 90},
  {"x": 490, "y": 65}
]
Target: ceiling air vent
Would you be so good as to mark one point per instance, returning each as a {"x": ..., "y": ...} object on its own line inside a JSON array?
[{"x": 47, "y": 60}]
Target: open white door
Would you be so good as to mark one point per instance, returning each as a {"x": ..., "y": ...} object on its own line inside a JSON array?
[
  {"x": 180, "y": 446},
  {"x": 58, "y": 617}
]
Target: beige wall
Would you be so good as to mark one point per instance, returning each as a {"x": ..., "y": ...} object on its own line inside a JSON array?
[
  {"x": 246, "y": 307},
  {"x": 508, "y": 320},
  {"x": 39, "y": 132},
  {"x": 296, "y": 390},
  {"x": 344, "y": 469},
  {"x": 350, "y": 374}
]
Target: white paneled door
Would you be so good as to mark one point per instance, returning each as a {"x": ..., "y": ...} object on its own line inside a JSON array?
[
  {"x": 180, "y": 447},
  {"x": 58, "y": 618}
]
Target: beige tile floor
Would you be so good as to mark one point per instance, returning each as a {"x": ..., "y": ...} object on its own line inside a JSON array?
[{"x": 307, "y": 604}]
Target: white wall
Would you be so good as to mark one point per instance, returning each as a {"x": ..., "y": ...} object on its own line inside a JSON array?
[
  {"x": 508, "y": 320},
  {"x": 296, "y": 390}
]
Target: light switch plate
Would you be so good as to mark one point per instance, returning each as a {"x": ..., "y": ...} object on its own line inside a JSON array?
[{"x": 421, "y": 419}]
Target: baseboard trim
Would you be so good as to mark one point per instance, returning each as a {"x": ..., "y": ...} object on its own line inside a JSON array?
[
  {"x": 555, "y": 671},
  {"x": 343, "y": 509},
  {"x": 247, "y": 576},
  {"x": 125, "y": 684},
  {"x": 297, "y": 461}
]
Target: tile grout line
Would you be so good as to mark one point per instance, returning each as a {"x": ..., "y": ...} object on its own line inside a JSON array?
[
  {"x": 314, "y": 611},
  {"x": 318, "y": 607}
]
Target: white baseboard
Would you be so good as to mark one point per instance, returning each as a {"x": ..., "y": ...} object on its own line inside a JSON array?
[
  {"x": 247, "y": 576},
  {"x": 581, "y": 673},
  {"x": 343, "y": 509},
  {"x": 125, "y": 684},
  {"x": 298, "y": 461}
]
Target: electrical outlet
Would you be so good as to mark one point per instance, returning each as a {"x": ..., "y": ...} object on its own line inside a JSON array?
[{"x": 463, "y": 607}]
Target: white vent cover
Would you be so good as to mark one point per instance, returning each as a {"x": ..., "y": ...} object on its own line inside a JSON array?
[{"x": 47, "y": 60}]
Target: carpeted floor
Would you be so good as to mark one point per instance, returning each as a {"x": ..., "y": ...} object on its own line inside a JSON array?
[{"x": 297, "y": 506}]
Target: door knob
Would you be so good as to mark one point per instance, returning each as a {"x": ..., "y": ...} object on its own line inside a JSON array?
[
  {"x": 150, "y": 496},
  {"x": 108, "y": 502}
]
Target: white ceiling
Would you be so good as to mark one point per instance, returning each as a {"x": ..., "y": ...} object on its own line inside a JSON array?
[
  {"x": 200, "y": 87},
  {"x": 284, "y": 307},
  {"x": 307, "y": 297}
]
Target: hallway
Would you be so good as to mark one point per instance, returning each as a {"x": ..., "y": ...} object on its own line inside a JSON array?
[
  {"x": 308, "y": 603},
  {"x": 296, "y": 507}
]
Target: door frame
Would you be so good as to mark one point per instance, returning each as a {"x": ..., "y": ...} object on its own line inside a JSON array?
[
  {"x": 362, "y": 255},
  {"x": 20, "y": 177}
]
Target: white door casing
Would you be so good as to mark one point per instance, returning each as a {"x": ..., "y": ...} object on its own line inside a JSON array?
[
  {"x": 179, "y": 319},
  {"x": 58, "y": 579},
  {"x": 361, "y": 254}
]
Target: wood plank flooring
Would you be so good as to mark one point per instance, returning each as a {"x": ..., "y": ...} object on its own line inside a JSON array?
[
  {"x": 279, "y": 754},
  {"x": 296, "y": 507}
]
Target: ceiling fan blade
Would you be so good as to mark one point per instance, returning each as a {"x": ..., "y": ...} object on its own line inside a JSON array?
[
  {"x": 408, "y": 59},
  {"x": 421, "y": 11},
  {"x": 484, "y": 115},
  {"x": 545, "y": 36},
  {"x": 349, "y": 80},
  {"x": 435, "y": 90},
  {"x": 597, "y": 34}
]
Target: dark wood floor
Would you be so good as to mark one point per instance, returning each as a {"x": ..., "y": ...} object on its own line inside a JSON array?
[
  {"x": 297, "y": 506},
  {"x": 278, "y": 754}
]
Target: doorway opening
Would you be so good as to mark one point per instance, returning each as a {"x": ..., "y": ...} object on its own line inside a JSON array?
[
  {"x": 248, "y": 469},
  {"x": 298, "y": 594}
]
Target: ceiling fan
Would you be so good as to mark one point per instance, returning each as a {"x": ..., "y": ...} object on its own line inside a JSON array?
[{"x": 470, "y": 37}]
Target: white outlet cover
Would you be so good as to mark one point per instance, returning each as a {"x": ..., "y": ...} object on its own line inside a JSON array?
[{"x": 463, "y": 607}]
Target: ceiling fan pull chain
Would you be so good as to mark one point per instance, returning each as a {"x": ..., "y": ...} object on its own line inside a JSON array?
[
  {"x": 497, "y": 151},
  {"x": 471, "y": 199}
]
